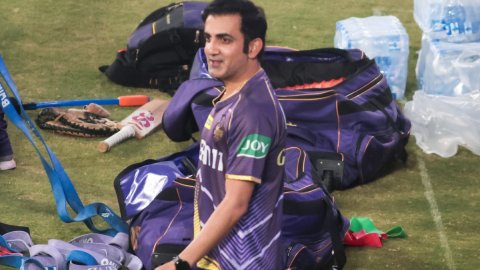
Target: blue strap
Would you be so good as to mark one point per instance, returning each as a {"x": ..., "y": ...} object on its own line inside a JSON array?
[
  {"x": 78, "y": 256},
  {"x": 15, "y": 260},
  {"x": 20, "y": 262},
  {"x": 62, "y": 188},
  {"x": 4, "y": 243}
]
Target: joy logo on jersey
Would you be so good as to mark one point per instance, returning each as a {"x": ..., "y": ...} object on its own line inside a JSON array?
[{"x": 254, "y": 146}]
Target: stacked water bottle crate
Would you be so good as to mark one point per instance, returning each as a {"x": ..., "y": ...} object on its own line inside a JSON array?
[
  {"x": 449, "y": 60},
  {"x": 446, "y": 113},
  {"x": 382, "y": 38}
]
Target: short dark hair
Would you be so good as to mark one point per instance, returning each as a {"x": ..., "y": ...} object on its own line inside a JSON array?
[{"x": 254, "y": 23}]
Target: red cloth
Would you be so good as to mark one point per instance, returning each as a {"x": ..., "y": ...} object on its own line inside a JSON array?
[{"x": 362, "y": 239}]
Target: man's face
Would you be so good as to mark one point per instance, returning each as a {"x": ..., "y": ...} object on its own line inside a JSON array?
[{"x": 224, "y": 47}]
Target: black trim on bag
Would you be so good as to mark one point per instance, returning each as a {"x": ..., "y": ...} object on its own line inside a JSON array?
[
  {"x": 304, "y": 95},
  {"x": 164, "y": 253},
  {"x": 348, "y": 107},
  {"x": 313, "y": 207},
  {"x": 169, "y": 194},
  {"x": 389, "y": 118},
  {"x": 203, "y": 99}
]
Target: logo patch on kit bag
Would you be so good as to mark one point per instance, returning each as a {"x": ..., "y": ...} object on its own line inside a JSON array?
[{"x": 254, "y": 146}]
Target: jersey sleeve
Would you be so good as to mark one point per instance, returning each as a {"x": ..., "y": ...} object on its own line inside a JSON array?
[{"x": 249, "y": 141}]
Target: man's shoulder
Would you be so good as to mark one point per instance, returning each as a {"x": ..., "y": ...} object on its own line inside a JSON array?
[
  {"x": 260, "y": 80},
  {"x": 258, "y": 100},
  {"x": 259, "y": 89}
]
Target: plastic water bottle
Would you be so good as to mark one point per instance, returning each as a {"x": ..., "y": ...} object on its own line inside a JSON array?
[
  {"x": 428, "y": 15},
  {"x": 449, "y": 20},
  {"x": 382, "y": 38},
  {"x": 441, "y": 123},
  {"x": 467, "y": 66},
  {"x": 447, "y": 68},
  {"x": 454, "y": 20}
]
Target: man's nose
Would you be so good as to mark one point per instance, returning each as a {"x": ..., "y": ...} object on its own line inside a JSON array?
[{"x": 211, "y": 47}]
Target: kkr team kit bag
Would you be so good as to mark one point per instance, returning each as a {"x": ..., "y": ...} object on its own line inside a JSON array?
[
  {"x": 157, "y": 196},
  {"x": 338, "y": 105},
  {"x": 160, "y": 50}
]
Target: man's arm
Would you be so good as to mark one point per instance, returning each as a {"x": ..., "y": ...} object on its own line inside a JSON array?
[{"x": 233, "y": 206}]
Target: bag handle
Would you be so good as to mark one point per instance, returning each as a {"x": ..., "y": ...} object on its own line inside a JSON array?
[{"x": 333, "y": 221}]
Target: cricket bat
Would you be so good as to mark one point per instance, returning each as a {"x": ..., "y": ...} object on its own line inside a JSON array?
[{"x": 139, "y": 124}]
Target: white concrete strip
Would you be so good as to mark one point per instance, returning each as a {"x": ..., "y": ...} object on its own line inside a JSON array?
[{"x": 429, "y": 194}]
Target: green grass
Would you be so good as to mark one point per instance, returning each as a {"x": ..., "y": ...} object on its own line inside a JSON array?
[{"x": 53, "y": 50}]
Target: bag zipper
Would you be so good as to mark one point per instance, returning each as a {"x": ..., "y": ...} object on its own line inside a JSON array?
[
  {"x": 366, "y": 87},
  {"x": 312, "y": 96}
]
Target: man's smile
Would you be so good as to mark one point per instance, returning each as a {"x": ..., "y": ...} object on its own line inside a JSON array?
[{"x": 214, "y": 63}]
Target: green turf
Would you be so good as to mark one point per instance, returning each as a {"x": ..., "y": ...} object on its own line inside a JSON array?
[{"x": 53, "y": 50}]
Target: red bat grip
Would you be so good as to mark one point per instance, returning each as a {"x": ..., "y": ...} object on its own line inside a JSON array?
[{"x": 131, "y": 101}]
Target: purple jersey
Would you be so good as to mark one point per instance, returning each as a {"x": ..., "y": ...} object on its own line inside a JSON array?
[{"x": 243, "y": 139}]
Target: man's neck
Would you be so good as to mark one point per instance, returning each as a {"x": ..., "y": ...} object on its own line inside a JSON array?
[{"x": 234, "y": 86}]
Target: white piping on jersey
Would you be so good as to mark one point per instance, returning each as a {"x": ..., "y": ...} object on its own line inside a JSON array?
[
  {"x": 209, "y": 195},
  {"x": 247, "y": 263},
  {"x": 276, "y": 106},
  {"x": 279, "y": 200},
  {"x": 233, "y": 110},
  {"x": 243, "y": 233}
]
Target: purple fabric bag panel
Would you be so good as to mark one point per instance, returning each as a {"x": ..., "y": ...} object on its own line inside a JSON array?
[
  {"x": 313, "y": 112},
  {"x": 189, "y": 108},
  {"x": 167, "y": 220},
  {"x": 374, "y": 131},
  {"x": 306, "y": 224},
  {"x": 186, "y": 15},
  {"x": 139, "y": 187},
  {"x": 140, "y": 183}
]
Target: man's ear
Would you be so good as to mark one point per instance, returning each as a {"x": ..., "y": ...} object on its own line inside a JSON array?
[{"x": 254, "y": 48}]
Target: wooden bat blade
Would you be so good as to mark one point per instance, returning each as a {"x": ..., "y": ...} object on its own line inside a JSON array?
[
  {"x": 139, "y": 123},
  {"x": 146, "y": 118}
]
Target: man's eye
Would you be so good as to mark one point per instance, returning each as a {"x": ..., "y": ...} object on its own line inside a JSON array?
[
  {"x": 226, "y": 40},
  {"x": 207, "y": 39}
]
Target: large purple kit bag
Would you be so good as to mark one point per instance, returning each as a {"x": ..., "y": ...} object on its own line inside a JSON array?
[
  {"x": 355, "y": 128},
  {"x": 158, "y": 198}
]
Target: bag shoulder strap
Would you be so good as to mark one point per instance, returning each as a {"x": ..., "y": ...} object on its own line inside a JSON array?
[
  {"x": 63, "y": 190},
  {"x": 334, "y": 219}
]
